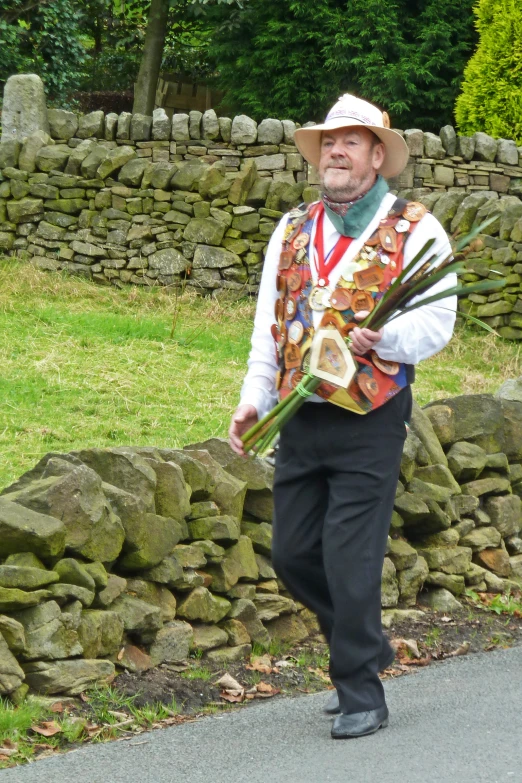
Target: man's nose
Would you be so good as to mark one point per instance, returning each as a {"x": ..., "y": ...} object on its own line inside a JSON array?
[{"x": 337, "y": 149}]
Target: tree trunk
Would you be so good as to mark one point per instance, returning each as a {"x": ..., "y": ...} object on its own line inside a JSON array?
[{"x": 147, "y": 80}]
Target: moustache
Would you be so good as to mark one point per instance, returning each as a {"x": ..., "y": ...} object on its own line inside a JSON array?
[{"x": 339, "y": 164}]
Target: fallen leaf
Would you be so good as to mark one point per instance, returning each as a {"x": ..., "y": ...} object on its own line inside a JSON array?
[
  {"x": 259, "y": 667},
  {"x": 234, "y": 697},
  {"x": 8, "y": 751},
  {"x": 284, "y": 664},
  {"x": 261, "y": 663},
  {"x": 445, "y": 619},
  {"x": 57, "y": 707},
  {"x": 42, "y": 746},
  {"x": 260, "y": 695},
  {"x": 415, "y": 661},
  {"x": 227, "y": 682},
  {"x": 48, "y": 728},
  {"x": 264, "y": 687},
  {"x": 3, "y": 757},
  {"x": 9, "y": 743},
  {"x": 401, "y": 645},
  {"x": 461, "y": 650},
  {"x": 249, "y": 696},
  {"x": 121, "y": 654}
]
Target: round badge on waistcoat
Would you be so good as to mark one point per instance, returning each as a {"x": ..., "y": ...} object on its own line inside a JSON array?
[
  {"x": 281, "y": 284},
  {"x": 294, "y": 280},
  {"x": 402, "y": 226},
  {"x": 373, "y": 240},
  {"x": 390, "y": 368},
  {"x": 316, "y": 299},
  {"x": 295, "y": 332},
  {"x": 290, "y": 307},
  {"x": 414, "y": 211},
  {"x": 301, "y": 241},
  {"x": 279, "y": 309},
  {"x": 297, "y": 376},
  {"x": 341, "y": 299},
  {"x": 368, "y": 386},
  {"x": 362, "y": 300}
]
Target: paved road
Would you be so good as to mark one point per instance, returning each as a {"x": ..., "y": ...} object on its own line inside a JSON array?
[{"x": 456, "y": 722}]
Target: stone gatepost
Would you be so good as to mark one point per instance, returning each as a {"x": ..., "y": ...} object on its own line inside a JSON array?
[{"x": 24, "y": 110}]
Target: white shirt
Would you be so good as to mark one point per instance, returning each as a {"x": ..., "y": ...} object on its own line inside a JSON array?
[{"x": 409, "y": 339}]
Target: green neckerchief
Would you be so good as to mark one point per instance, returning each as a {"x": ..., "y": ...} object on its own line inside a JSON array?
[{"x": 360, "y": 212}]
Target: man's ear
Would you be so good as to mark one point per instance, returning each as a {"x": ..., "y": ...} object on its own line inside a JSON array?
[{"x": 379, "y": 153}]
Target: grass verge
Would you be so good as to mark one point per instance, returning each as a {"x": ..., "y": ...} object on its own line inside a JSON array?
[{"x": 85, "y": 366}]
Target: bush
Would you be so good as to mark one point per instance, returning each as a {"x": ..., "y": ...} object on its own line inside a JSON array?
[{"x": 491, "y": 98}]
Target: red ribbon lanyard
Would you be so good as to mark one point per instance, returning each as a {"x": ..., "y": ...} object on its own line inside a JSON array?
[{"x": 324, "y": 267}]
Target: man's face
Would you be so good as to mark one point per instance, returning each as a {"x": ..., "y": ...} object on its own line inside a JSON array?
[{"x": 350, "y": 159}]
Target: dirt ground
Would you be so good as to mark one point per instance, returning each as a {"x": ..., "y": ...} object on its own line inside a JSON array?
[{"x": 291, "y": 671}]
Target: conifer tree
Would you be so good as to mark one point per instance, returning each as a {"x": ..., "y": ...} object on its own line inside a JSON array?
[
  {"x": 491, "y": 98},
  {"x": 289, "y": 58}
]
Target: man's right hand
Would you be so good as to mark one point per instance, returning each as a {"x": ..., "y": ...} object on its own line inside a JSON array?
[{"x": 243, "y": 419}]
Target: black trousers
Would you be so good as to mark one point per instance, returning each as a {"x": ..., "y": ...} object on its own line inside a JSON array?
[{"x": 335, "y": 481}]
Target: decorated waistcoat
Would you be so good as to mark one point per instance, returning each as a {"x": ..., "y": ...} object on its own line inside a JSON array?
[{"x": 362, "y": 283}]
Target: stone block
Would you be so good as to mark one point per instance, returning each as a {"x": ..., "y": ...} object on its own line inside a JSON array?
[
  {"x": 244, "y": 130},
  {"x": 24, "y": 107},
  {"x": 140, "y": 127},
  {"x": 443, "y": 175},
  {"x": 270, "y": 131},
  {"x": 414, "y": 138},
  {"x": 448, "y": 138},
  {"x": 507, "y": 152},
  {"x": 68, "y": 677},
  {"x": 433, "y": 147},
  {"x": 485, "y": 147},
  {"x": 91, "y": 125}
]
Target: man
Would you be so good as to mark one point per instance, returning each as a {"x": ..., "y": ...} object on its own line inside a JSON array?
[{"x": 337, "y": 464}]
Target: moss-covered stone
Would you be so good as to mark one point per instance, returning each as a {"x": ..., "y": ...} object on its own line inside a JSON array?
[
  {"x": 505, "y": 513},
  {"x": 487, "y": 486},
  {"x": 440, "y": 600},
  {"x": 138, "y": 616},
  {"x": 11, "y": 673},
  {"x": 466, "y": 461},
  {"x": 68, "y": 677},
  {"x": 401, "y": 554},
  {"x": 155, "y": 595},
  {"x": 73, "y": 572},
  {"x": 200, "y": 604},
  {"x": 25, "y": 578},
  {"x": 207, "y": 637},
  {"x": 449, "y": 560},
  {"x": 100, "y": 633},
  {"x": 46, "y": 636},
  {"x": 238, "y": 563}
]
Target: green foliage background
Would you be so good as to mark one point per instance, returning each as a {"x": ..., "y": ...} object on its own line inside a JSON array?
[
  {"x": 491, "y": 98},
  {"x": 286, "y": 58}
]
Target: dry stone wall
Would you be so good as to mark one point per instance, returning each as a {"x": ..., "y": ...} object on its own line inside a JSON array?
[
  {"x": 152, "y": 200},
  {"x": 125, "y": 558}
]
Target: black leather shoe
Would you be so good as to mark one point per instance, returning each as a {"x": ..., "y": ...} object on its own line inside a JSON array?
[
  {"x": 360, "y": 724},
  {"x": 332, "y": 705}
]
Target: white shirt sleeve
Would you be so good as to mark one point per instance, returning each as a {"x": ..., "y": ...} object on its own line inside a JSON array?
[
  {"x": 417, "y": 335},
  {"x": 259, "y": 385}
]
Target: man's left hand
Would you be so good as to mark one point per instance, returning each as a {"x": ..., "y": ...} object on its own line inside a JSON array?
[{"x": 363, "y": 340}]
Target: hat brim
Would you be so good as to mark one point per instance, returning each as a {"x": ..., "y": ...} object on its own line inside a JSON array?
[{"x": 308, "y": 142}]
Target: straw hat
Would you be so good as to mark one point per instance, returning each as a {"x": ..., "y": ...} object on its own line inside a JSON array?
[{"x": 351, "y": 112}]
